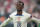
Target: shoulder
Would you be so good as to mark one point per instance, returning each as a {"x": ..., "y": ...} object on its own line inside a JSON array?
[
  {"x": 27, "y": 14},
  {"x": 13, "y": 14}
]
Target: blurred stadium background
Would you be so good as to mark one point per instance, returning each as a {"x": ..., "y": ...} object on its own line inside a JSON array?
[{"x": 9, "y": 6}]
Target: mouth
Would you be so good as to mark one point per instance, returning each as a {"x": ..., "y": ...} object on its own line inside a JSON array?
[{"x": 19, "y": 10}]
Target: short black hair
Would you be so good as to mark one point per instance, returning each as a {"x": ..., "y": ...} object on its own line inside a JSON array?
[{"x": 21, "y": 3}]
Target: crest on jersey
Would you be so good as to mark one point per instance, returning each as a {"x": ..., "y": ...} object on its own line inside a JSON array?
[{"x": 19, "y": 19}]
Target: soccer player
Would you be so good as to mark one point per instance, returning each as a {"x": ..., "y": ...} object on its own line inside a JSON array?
[{"x": 20, "y": 18}]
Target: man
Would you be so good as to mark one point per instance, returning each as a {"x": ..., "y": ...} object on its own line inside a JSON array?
[{"x": 20, "y": 18}]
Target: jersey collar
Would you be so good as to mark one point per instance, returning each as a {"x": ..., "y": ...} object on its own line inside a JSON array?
[{"x": 18, "y": 15}]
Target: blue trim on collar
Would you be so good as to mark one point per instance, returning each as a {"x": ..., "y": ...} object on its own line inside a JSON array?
[{"x": 18, "y": 15}]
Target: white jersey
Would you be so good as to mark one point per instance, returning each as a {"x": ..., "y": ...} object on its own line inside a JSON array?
[{"x": 18, "y": 20}]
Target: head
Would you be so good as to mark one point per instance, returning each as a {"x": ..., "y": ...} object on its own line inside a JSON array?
[{"x": 20, "y": 6}]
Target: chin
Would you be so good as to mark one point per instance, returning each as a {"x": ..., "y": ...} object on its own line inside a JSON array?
[{"x": 18, "y": 9}]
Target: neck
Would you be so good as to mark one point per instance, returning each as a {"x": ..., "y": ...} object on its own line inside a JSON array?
[{"x": 19, "y": 12}]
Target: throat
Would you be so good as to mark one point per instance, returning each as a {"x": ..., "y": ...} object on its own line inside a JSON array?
[{"x": 19, "y": 13}]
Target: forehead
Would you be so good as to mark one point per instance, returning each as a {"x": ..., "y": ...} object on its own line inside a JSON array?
[{"x": 19, "y": 3}]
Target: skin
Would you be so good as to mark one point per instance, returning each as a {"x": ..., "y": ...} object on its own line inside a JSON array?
[{"x": 19, "y": 7}]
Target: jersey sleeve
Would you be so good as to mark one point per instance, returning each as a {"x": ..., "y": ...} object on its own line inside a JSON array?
[
  {"x": 31, "y": 16},
  {"x": 35, "y": 19},
  {"x": 6, "y": 22}
]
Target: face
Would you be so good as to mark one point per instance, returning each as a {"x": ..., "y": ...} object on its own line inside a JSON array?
[{"x": 19, "y": 6}]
